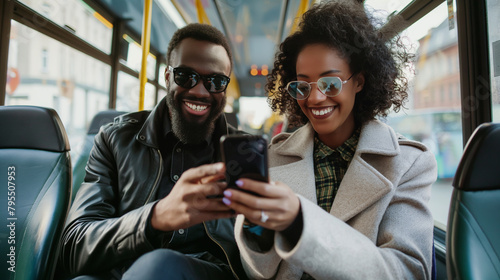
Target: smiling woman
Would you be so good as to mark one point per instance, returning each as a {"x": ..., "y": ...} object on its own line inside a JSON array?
[
  {"x": 331, "y": 116},
  {"x": 347, "y": 187}
]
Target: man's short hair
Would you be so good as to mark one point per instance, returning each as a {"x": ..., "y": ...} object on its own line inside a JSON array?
[{"x": 202, "y": 32}]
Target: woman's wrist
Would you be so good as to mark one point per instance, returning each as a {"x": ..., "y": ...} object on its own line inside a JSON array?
[
  {"x": 293, "y": 232},
  {"x": 258, "y": 238}
]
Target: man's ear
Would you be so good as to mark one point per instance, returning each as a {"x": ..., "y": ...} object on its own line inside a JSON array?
[
  {"x": 167, "y": 75},
  {"x": 359, "y": 82}
]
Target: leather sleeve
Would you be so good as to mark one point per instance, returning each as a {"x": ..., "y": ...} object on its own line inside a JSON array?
[{"x": 97, "y": 237}]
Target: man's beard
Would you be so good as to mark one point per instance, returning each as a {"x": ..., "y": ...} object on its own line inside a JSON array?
[{"x": 190, "y": 132}]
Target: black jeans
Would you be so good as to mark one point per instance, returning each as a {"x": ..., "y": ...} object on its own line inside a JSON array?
[{"x": 169, "y": 264}]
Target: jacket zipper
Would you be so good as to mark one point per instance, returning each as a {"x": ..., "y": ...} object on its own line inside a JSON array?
[
  {"x": 227, "y": 257},
  {"x": 155, "y": 186}
]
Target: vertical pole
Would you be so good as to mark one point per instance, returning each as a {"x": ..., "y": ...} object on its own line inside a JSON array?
[
  {"x": 6, "y": 10},
  {"x": 473, "y": 52},
  {"x": 303, "y": 6},
  {"x": 115, "y": 62},
  {"x": 145, "y": 40}
]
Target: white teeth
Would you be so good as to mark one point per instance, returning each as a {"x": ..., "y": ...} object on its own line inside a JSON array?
[
  {"x": 198, "y": 108},
  {"x": 321, "y": 112}
]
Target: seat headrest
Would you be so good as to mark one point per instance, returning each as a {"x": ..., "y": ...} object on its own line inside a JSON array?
[
  {"x": 479, "y": 167},
  {"x": 31, "y": 127},
  {"x": 101, "y": 119}
]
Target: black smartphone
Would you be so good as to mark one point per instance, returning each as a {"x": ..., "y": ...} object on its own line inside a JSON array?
[{"x": 245, "y": 156}]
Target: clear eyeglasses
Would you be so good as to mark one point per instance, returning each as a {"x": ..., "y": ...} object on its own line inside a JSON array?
[{"x": 329, "y": 86}]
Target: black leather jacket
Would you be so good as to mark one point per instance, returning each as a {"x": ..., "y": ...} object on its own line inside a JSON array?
[{"x": 106, "y": 225}]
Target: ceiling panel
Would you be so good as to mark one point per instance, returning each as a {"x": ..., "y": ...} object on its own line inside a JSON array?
[{"x": 255, "y": 29}]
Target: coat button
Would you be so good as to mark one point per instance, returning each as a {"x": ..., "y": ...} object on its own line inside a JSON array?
[
  {"x": 181, "y": 231},
  {"x": 142, "y": 137},
  {"x": 176, "y": 177}
]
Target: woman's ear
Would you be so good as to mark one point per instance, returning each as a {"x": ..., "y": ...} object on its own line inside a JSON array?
[{"x": 359, "y": 82}]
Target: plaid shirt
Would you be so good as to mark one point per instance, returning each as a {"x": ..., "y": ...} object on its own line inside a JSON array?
[{"x": 330, "y": 166}]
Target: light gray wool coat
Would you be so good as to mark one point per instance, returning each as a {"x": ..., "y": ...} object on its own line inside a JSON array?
[{"x": 379, "y": 226}]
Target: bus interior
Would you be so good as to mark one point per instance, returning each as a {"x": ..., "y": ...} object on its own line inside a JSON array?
[{"x": 88, "y": 58}]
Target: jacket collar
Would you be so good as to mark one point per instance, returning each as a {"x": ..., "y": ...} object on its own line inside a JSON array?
[
  {"x": 148, "y": 135},
  {"x": 375, "y": 138}
]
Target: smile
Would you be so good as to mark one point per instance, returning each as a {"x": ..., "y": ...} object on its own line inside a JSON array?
[
  {"x": 194, "y": 107},
  {"x": 322, "y": 111}
]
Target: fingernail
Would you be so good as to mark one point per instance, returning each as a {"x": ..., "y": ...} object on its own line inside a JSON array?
[
  {"x": 227, "y": 193},
  {"x": 218, "y": 166},
  {"x": 239, "y": 183},
  {"x": 226, "y": 201}
]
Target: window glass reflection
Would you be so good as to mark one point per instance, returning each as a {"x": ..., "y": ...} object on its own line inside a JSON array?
[
  {"x": 127, "y": 96},
  {"x": 433, "y": 114},
  {"x": 493, "y": 10},
  {"x": 133, "y": 57},
  {"x": 77, "y": 17},
  {"x": 44, "y": 72}
]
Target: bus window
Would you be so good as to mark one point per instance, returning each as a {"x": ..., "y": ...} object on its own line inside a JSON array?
[
  {"x": 133, "y": 57},
  {"x": 127, "y": 95},
  {"x": 77, "y": 17},
  {"x": 493, "y": 10},
  {"x": 432, "y": 115},
  {"x": 45, "y": 72}
]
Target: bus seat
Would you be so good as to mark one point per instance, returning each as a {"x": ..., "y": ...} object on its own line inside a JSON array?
[
  {"x": 472, "y": 243},
  {"x": 101, "y": 118},
  {"x": 35, "y": 175}
]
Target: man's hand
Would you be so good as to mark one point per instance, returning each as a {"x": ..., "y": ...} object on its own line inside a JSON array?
[{"x": 187, "y": 204}]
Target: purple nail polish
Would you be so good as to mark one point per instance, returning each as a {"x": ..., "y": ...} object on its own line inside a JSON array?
[
  {"x": 239, "y": 183},
  {"x": 227, "y": 193},
  {"x": 226, "y": 201}
]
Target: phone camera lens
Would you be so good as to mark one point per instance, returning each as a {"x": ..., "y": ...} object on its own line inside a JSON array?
[{"x": 260, "y": 147}]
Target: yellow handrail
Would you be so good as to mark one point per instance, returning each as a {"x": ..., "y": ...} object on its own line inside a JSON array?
[
  {"x": 303, "y": 6},
  {"x": 145, "y": 40},
  {"x": 233, "y": 89}
]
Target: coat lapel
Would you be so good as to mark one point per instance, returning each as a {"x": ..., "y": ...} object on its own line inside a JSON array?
[
  {"x": 361, "y": 187},
  {"x": 362, "y": 184},
  {"x": 299, "y": 175}
]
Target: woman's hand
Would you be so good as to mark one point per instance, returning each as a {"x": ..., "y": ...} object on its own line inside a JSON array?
[{"x": 276, "y": 207}]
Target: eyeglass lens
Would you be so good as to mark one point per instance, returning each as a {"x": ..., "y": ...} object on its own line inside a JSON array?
[
  {"x": 329, "y": 86},
  {"x": 187, "y": 78}
]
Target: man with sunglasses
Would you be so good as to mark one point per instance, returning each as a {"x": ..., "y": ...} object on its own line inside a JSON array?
[{"x": 150, "y": 206}]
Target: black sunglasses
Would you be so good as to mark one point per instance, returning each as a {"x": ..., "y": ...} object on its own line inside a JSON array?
[{"x": 188, "y": 78}]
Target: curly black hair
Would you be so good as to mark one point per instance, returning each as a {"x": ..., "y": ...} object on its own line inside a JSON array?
[
  {"x": 202, "y": 32},
  {"x": 346, "y": 27}
]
